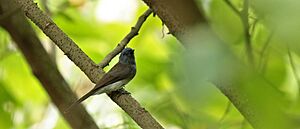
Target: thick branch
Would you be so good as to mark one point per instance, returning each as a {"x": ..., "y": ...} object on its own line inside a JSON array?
[
  {"x": 43, "y": 68},
  {"x": 269, "y": 113},
  {"x": 142, "y": 117}
]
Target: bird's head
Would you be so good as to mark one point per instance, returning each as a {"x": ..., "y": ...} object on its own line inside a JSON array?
[{"x": 127, "y": 56}]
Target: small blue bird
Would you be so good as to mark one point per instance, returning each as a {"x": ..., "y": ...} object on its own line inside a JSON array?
[{"x": 115, "y": 79}]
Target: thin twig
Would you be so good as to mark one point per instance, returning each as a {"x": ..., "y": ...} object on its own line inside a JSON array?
[
  {"x": 254, "y": 25},
  {"x": 134, "y": 31},
  {"x": 245, "y": 21},
  {"x": 243, "y": 15},
  {"x": 227, "y": 110},
  {"x": 294, "y": 68},
  {"x": 184, "y": 118},
  {"x": 264, "y": 50},
  {"x": 232, "y": 7}
]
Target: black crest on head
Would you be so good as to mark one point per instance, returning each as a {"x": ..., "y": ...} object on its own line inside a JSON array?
[{"x": 127, "y": 56}]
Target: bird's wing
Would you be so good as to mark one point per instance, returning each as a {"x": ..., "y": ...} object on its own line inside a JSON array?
[{"x": 118, "y": 72}]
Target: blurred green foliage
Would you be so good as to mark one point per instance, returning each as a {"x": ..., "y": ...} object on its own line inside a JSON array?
[{"x": 172, "y": 81}]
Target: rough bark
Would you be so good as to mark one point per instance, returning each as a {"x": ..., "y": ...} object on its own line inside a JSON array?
[
  {"x": 43, "y": 67},
  {"x": 139, "y": 114},
  {"x": 180, "y": 16}
]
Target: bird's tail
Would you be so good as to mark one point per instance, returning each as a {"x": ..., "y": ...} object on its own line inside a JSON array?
[{"x": 79, "y": 100}]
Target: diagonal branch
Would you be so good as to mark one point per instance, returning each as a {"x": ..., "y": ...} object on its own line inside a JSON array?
[
  {"x": 66, "y": 44},
  {"x": 134, "y": 31},
  {"x": 43, "y": 68},
  {"x": 245, "y": 96},
  {"x": 263, "y": 52},
  {"x": 232, "y": 7},
  {"x": 227, "y": 110},
  {"x": 141, "y": 116}
]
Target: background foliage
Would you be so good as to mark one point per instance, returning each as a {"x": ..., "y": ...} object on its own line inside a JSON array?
[{"x": 169, "y": 81}]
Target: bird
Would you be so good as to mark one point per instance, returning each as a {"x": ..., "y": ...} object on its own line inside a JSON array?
[{"x": 115, "y": 79}]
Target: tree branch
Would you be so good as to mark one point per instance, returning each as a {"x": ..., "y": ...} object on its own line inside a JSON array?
[
  {"x": 232, "y": 7},
  {"x": 134, "y": 31},
  {"x": 244, "y": 96},
  {"x": 243, "y": 15},
  {"x": 263, "y": 52},
  {"x": 43, "y": 68},
  {"x": 142, "y": 117},
  {"x": 294, "y": 68},
  {"x": 227, "y": 110},
  {"x": 66, "y": 44}
]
